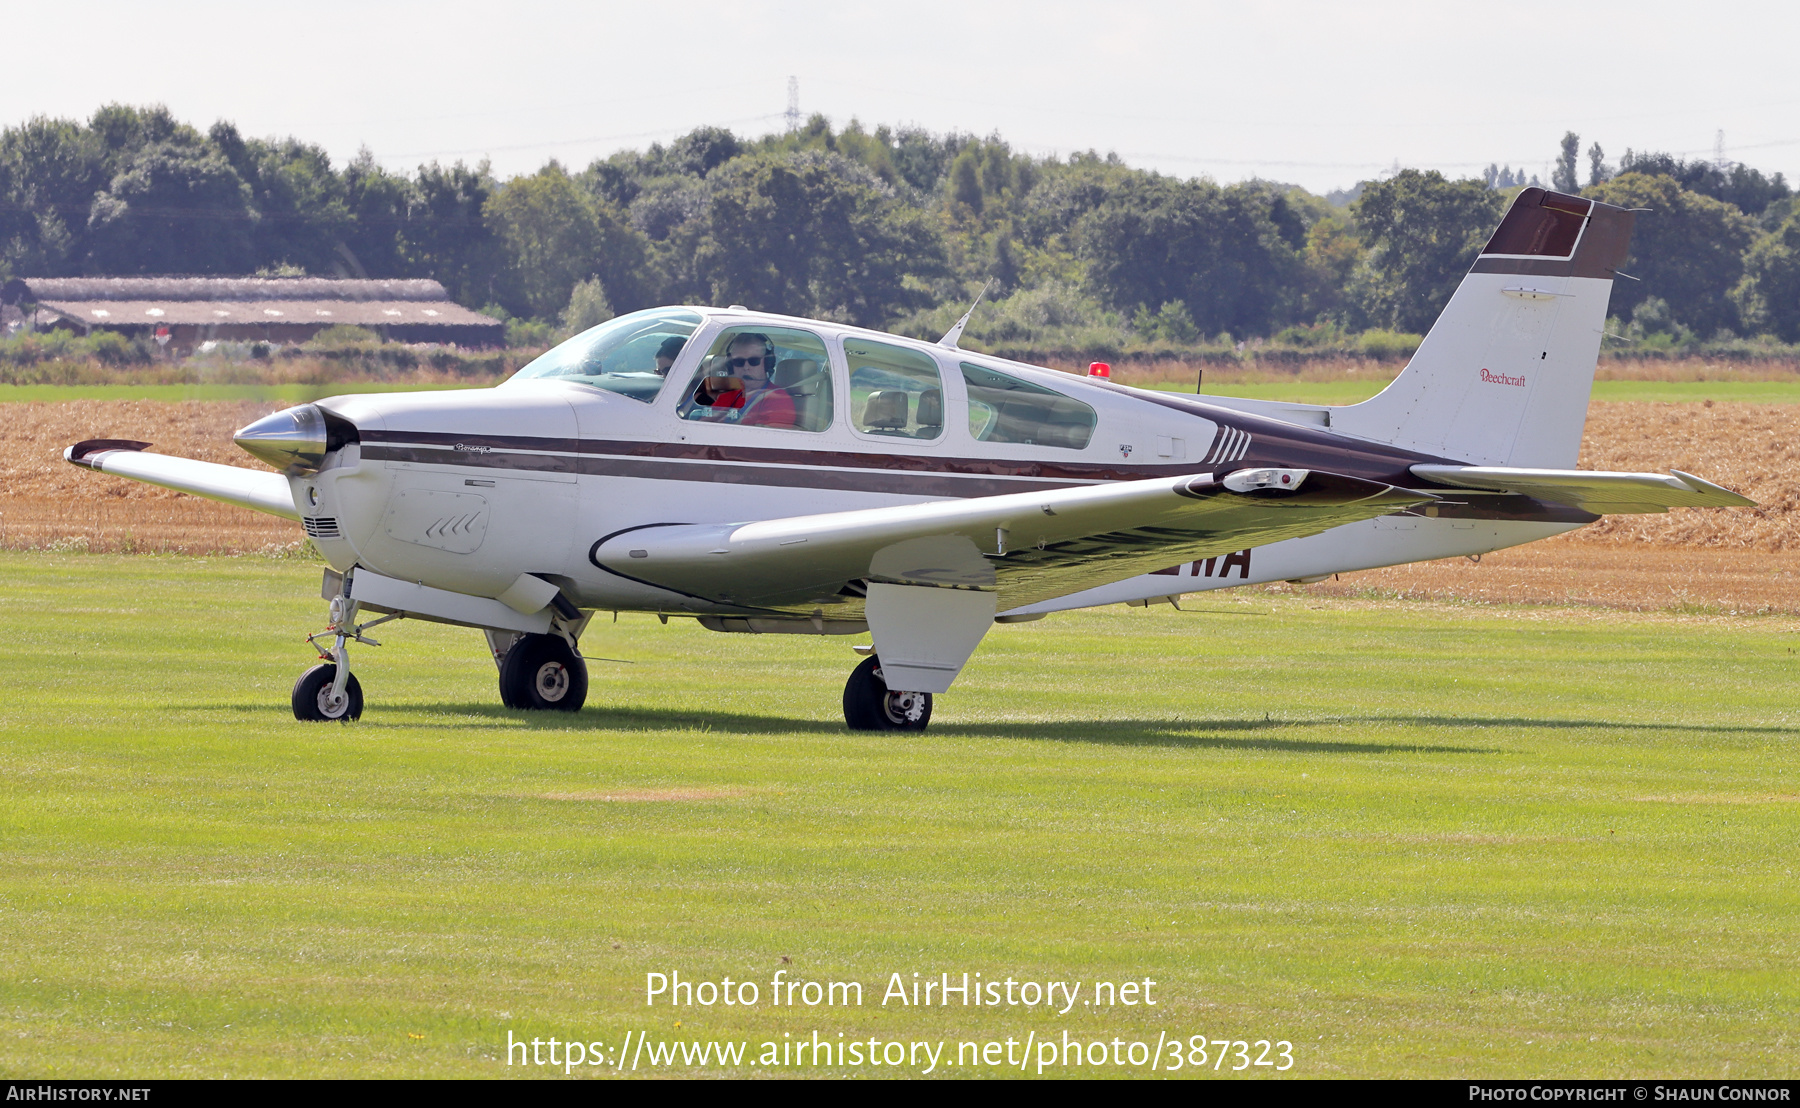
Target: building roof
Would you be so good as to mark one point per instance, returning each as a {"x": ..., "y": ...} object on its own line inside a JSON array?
[
  {"x": 82, "y": 289},
  {"x": 212, "y": 301},
  {"x": 361, "y": 313}
]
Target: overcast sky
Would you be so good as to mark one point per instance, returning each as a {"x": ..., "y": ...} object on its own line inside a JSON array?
[{"x": 1319, "y": 94}]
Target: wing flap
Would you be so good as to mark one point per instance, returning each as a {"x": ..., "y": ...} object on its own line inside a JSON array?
[
  {"x": 1028, "y": 546},
  {"x": 246, "y": 488},
  {"x": 1598, "y": 491}
]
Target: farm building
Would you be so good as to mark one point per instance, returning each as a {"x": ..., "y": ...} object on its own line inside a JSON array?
[{"x": 193, "y": 310}]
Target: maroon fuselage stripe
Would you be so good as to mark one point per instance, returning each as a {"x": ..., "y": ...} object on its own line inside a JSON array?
[{"x": 806, "y": 469}]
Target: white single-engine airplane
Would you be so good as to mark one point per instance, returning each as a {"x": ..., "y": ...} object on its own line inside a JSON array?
[{"x": 767, "y": 474}]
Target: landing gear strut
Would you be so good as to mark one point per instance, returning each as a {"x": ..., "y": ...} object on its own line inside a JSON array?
[
  {"x": 543, "y": 672},
  {"x": 869, "y": 705},
  {"x": 329, "y": 692}
]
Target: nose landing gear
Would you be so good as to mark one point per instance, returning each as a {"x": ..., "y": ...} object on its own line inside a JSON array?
[
  {"x": 869, "y": 705},
  {"x": 329, "y": 691}
]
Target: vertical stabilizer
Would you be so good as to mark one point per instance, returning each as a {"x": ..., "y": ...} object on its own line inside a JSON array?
[{"x": 1504, "y": 376}]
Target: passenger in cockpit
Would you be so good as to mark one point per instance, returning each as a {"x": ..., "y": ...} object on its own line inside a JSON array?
[{"x": 667, "y": 353}]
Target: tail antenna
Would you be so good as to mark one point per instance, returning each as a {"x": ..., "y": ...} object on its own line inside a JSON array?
[{"x": 955, "y": 333}]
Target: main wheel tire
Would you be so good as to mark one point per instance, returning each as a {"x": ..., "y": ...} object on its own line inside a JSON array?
[
  {"x": 541, "y": 673},
  {"x": 312, "y": 696},
  {"x": 869, "y": 705}
]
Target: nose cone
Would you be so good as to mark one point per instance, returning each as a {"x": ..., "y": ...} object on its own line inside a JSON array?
[{"x": 292, "y": 441}]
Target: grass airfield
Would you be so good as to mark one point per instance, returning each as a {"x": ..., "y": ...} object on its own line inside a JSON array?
[{"x": 1412, "y": 839}]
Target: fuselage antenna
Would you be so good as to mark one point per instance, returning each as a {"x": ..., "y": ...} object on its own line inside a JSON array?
[{"x": 955, "y": 333}]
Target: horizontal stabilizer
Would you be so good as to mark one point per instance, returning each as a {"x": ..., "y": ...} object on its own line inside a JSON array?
[
  {"x": 1594, "y": 491},
  {"x": 258, "y": 490}
]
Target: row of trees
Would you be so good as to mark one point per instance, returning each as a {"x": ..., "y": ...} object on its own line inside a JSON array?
[{"x": 886, "y": 228}]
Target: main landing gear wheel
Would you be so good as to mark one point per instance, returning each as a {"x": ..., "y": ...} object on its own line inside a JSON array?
[
  {"x": 869, "y": 705},
  {"x": 541, "y": 672},
  {"x": 313, "y": 700}
]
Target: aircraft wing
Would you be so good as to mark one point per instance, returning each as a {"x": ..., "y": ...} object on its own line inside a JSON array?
[
  {"x": 247, "y": 488},
  {"x": 1597, "y": 491},
  {"x": 1028, "y": 546}
]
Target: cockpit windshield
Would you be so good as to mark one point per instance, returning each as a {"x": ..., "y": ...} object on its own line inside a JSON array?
[{"x": 630, "y": 355}]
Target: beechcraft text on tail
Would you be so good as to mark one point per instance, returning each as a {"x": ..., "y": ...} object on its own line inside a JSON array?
[{"x": 772, "y": 475}]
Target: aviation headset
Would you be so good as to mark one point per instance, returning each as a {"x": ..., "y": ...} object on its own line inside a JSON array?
[{"x": 754, "y": 336}]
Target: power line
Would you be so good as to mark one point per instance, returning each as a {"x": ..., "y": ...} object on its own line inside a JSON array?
[{"x": 576, "y": 141}]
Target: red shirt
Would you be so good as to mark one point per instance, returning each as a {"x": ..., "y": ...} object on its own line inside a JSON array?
[{"x": 769, "y": 407}]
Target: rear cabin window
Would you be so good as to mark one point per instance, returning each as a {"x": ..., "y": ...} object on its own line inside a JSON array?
[
  {"x": 1002, "y": 408},
  {"x": 630, "y": 355},
  {"x": 894, "y": 391},
  {"x": 762, "y": 377}
]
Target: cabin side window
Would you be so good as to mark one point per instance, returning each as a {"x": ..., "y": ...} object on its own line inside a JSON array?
[
  {"x": 773, "y": 377},
  {"x": 894, "y": 391},
  {"x": 1002, "y": 408}
]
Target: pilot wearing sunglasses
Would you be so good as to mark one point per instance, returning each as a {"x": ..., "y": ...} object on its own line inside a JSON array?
[{"x": 748, "y": 392}]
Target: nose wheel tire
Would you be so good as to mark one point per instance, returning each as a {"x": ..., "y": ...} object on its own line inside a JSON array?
[
  {"x": 313, "y": 701},
  {"x": 541, "y": 673},
  {"x": 869, "y": 705}
]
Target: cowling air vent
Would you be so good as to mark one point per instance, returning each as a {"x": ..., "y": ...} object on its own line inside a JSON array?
[
  {"x": 453, "y": 521},
  {"x": 324, "y": 527}
]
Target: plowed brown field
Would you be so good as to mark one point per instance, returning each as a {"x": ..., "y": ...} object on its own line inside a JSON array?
[
  {"x": 1731, "y": 560},
  {"x": 45, "y": 502}
]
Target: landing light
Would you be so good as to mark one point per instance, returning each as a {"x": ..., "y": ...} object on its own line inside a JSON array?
[
  {"x": 292, "y": 441},
  {"x": 1253, "y": 480}
]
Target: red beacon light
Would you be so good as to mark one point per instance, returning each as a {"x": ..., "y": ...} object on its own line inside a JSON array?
[{"x": 1099, "y": 369}]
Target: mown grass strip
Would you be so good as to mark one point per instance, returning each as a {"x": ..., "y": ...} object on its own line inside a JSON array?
[{"x": 1412, "y": 839}]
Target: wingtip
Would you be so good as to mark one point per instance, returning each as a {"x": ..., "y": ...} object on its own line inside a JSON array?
[
  {"x": 85, "y": 452},
  {"x": 1726, "y": 498}
]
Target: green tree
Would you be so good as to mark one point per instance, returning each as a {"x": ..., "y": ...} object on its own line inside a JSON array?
[
  {"x": 1563, "y": 178},
  {"x": 50, "y": 170},
  {"x": 124, "y": 130},
  {"x": 1688, "y": 250},
  {"x": 588, "y": 307},
  {"x": 302, "y": 217},
  {"x": 1768, "y": 298},
  {"x": 379, "y": 205},
  {"x": 1220, "y": 252},
  {"x": 1422, "y": 233},
  {"x": 1332, "y": 256},
  {"x": 175, "y": 208},
  {"x": 446, "y": 236},
  {"x": 1170, "y": 323},
  {"x": 557, "y": 234},
  {"x": 965, "y": 179},
  {"x": 813, "y": 235},
  {"x": 1598, "y": 171},
  {"x": 998, "y": 174},
  {"x": 702, "y": 150},
  {"x": 921, "y": 158},
  {"x": 1751, "y": 191}
]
